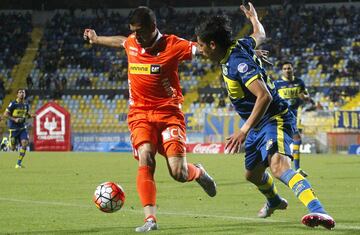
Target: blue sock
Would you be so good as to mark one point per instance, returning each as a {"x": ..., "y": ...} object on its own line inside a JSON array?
[{"x": 303, "y": 191}]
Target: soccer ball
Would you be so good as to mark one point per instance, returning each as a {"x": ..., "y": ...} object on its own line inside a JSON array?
[{"x": 109, "y": 197}]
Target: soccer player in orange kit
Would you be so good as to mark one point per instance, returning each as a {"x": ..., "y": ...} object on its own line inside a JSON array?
[{"x": 155, "y": 119}]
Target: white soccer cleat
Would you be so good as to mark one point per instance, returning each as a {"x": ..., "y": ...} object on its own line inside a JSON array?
[
  {"x": 267, "y": 211},
  {"x": 149, "y": 225},
  {"x": 206, "y": 181}
]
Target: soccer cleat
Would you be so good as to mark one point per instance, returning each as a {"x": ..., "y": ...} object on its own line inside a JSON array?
[
  {"x": 301, "y": 172},
  {"x": 206, "y": 181},
  {"x": 266, "y": 211},
  {"x": 17, "y": 166},
  {"x": 316, "y": 219},
  {"x": 149, "y": 225}
]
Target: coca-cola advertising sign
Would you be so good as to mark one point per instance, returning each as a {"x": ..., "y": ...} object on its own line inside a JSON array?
[{"x": 205, "y": 148}]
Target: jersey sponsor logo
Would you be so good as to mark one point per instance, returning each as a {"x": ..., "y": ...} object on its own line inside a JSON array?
[
  {"x": 250, "y": 72},
  {"x": 146, "y": 69},
  {"x": 242, "y": 67},
  {"x": 155, "y": 69},
  {"x": 172, "y": 133},
  {"x": 19, "y": 113},
  {"x": 289, "y": 92}
]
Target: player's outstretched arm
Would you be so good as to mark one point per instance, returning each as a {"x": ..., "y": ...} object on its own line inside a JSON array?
[
  {"x": 259, "y": 31},
  {"x": 110, "y": 41}
]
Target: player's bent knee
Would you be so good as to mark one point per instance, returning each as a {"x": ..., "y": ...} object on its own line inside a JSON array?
[
  {"x": 24, "y": 143},
  {"x": 279, "y": 164},
  {"x": 146, "y": 155},
  {"x": 253, "y": 177}
]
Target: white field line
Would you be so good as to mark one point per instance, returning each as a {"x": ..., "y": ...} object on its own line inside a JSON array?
[{"x": 185, "y": 214}]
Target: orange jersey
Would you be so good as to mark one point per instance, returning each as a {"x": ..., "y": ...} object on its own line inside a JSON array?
[{"x": 153, "y": 72}]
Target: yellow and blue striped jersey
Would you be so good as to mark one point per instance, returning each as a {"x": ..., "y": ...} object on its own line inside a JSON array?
[
  {"x": 17, "y": 110},
  {"x": 289, "y": 91},
  {"x": 240, "y": 67}
]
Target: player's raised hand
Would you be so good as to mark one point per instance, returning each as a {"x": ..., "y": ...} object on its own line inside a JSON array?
[
  {"x": 263, "y": 56},
  {"x": 234, "y": 142},
  {"x": 249, "y": 13},
  {"x": 90, "y": 34}
]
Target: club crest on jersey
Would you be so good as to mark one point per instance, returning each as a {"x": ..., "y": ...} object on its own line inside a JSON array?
[
  {"x": 242, "y": 67},
  {"x": 144, "y": 68},
  {"x": 269, "y": 144},
  {"x": 224, "y": 70}
]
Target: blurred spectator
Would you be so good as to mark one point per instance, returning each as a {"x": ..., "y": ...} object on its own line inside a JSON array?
[
  {"x": 2, "y": 90},
  {"x": 42, "y": 84},
  {"x": 209, "y": 98},
  {"x": 64, "y": 83},
  {"x": 29, "y": 82},
  {"x": 222, "y": 103},
  {"x": 47, "y": 78}
]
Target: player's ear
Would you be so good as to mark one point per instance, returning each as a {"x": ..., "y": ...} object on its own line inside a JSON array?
[{"x": 212, "y": 45}]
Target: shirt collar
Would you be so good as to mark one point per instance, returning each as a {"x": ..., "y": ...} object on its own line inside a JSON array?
[
  {"x": 285, "y": 79},
  {"x": 228, "y": 53}
]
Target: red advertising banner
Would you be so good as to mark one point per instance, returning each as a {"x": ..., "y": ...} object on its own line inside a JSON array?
[
  {"x": 52, "y": 128},
  {"x": 205, "y": 148}
]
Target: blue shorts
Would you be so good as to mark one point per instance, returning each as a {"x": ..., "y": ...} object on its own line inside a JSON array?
[
  {"x": 294, "y": 123},
  {"x": 273, "y": 137},
  {"x": 16, "y": 136}
]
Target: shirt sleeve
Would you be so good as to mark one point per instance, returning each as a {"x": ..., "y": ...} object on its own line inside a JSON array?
[
  {"x": 183, "y": 49},
  {"x": 247, "y": 70},
  {"x": 302, "y": 85},
  {"x": 10, "y": 108},
  {"x": 248, "y": 42},
  {"x": 126, "y": 42}
]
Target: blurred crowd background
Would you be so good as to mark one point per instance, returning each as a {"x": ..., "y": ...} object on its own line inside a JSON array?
[{"x": 42, "y": 49}]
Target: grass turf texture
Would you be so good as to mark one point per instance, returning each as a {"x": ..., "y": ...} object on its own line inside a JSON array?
[{"x": 53, "y": 195}]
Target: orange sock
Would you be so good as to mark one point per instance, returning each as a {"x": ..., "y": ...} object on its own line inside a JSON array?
[
  {"x": 193, "y": 172},
  {"x": 146, "y": 186}
]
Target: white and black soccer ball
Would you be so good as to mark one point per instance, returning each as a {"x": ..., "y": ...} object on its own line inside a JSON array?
[{"x": 109, "y": 197}]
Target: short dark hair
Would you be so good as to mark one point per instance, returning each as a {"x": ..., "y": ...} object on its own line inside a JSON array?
[
  {"x": 217, "y": 29},
  {"x": 286, "y": 62},
  {"x": 143, "y": 16},
  {"x": 20, "y": 89}
]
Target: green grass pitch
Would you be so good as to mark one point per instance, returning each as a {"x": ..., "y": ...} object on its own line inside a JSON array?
[{"x": 53, "y": 195}]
